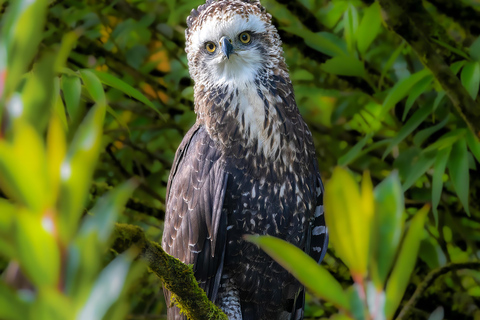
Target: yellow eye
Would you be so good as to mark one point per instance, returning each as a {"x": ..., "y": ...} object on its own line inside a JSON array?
[
  {"x": 210, "y": 46},
  {"x": 245, "y": 37}
]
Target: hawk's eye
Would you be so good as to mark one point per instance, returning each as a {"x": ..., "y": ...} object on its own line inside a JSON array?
[
  {"x": 210, "y": 46},
  {"x": 245, "y": 37}
]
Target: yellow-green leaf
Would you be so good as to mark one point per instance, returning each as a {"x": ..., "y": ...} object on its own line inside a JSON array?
[{"x": 403, "y": 268}]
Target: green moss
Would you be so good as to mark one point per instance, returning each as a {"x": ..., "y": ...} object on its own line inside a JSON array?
[{"x": 176, "y": 276}]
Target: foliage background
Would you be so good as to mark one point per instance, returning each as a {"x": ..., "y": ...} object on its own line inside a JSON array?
[{"x": 358, "y": 84}]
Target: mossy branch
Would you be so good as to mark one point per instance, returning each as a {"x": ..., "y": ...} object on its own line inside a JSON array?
[
  {"x": 399, "y": 20},
  {"x": 428, "y": 281},
  {"x": 176, "y": 276}
]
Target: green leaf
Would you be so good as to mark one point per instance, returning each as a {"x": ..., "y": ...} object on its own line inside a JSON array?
[
  {"x": 350, "y": 20},
  {"x": 471, "y": 78},
  {"x": 388, "y": 65},
  {"x": 21, "y": 34},
  {"x": 475, "y": 49},
  {"x": 37, "y": 248},
  {"x": 344, "y": 66},
  {"x": 318, "y": 280},
  {"x": 446, "y": 140},
  {"x": 417, "y": 118},
  {"x": 77, "y": 169},
  {"x": 349, "y": 214},
  {"x": 22, "y": 179},
  {"x": 401, "y": 90},
  {"x": 11, "y": 306},
  {"x": 449, "y": 47},
  {"x": 403, "y": 268},
  {"x": 419, "y": 88},
  {"x": 456, "y": 66},
  {"x": 418, "y": 168},
  {"x": 107, "y": 289},
  {"x": 72, "y": 90},
  {"x": 118, "y": 84},
  {"x": 437, "y": 182},
  {"x": 459, "y": 173},
  {"x": 106, "y": 212},
  {"x": 369, "y": 27},
  {"x": 324, "y": 42},
  {"x": 354, "y": 151},
  {"x": 387, "y": 230},
  {"x": 473, "y": 144},
  {"x": 94, "y": 86},
  {"x": 422, "y": 135}
]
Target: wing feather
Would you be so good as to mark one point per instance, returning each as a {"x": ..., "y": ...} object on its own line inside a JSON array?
[{"x": 195, "y": 228}]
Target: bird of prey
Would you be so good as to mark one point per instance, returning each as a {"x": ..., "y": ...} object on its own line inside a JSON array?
[{"x": 247, "y": 166}]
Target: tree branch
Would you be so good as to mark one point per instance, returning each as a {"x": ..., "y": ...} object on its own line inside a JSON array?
[
  {"x": 176, "y": 276},
  {"x": 428, "y": 281},
  {"x": 399, "y": 21}
]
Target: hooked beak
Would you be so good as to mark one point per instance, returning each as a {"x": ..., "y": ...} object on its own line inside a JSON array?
[{"x": 227, "y": 47}]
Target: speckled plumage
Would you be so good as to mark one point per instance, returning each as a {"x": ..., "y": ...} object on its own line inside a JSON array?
[{"x": 247, "y": 166}]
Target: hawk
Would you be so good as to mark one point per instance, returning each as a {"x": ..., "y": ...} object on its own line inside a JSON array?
[{"x": 247, "y": 166}]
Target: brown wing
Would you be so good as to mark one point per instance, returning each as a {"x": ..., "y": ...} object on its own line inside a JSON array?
[{"x": 195, "y": 228}]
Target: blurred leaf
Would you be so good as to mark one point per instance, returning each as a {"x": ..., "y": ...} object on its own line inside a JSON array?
[
  {"x": 77, "y": 169},
  {"x": 11, "y": 306},
  {"x": 369, "y": 27},
  {"x": 37, "y": 92},
  {"x": 72, "y": 90},
  {"x": 475, "y": 49},
  {"x": 356, "y": 304},
  {"x": 318, "y": 280},
  {"x": 401, "y": 89},
  {"x": 391, "y": 60},
  {"x": 417, "y": 118},
  {"x": 349, "y": 219},
  {"x": 437, "y": 180},
  {"x": 473, "y": 144},
  {"x": 424, "y": 134},
  {"x": 7, "y": 217},
  {"x": 94, "y": 86},
  {"x": 21, "y": 34},
  {"x": 107, "y": 289},
  {"x": 403, "y": 268},
  {"x": 344, "y": 66},
  {"x": 447, "y": 140},
  {"x": 69, "y": 40},
  {"x": 387, "y": 229},
  {"x": 418, "y": 168},
  {"x": 56, "y": 151},
  {"x": 449, "y": 47},
  {"x": 354, "y": 151},
  {"x": 21, "y": 178},
  {"x": 324, "y": 42},
  {"x": 456, "y": 66},
  {"x": 106, "y": 211},
  {"x": 419, "y": 88},
  {"x": 124, "y": 87},
  {"x": 471, "y": 78},
  {"x": 350, "y": 20},
  {"x": 459, "y": 172},
  {"x": 37, "y": 248}
]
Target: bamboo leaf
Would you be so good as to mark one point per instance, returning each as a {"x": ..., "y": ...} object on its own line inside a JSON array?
[
  {"x": 437, "y": 182},
  {"x": 369, "y": 27},
  {"x": 344, "y": 66},
  {"x": 304, "y": 268},
  {"x": 399, "y": 279},
  {"x": 470, "y": 77},
  {"x": 459, "y": 172}
]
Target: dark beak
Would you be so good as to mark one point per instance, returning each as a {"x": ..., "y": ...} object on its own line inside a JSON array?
[{"x": 227, "y": 47}]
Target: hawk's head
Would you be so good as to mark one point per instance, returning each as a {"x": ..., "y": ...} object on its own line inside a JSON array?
[{"x": 232, "y": 42}]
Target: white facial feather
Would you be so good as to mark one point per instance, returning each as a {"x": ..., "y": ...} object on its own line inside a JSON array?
[{"x": 243, "y": 65}]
